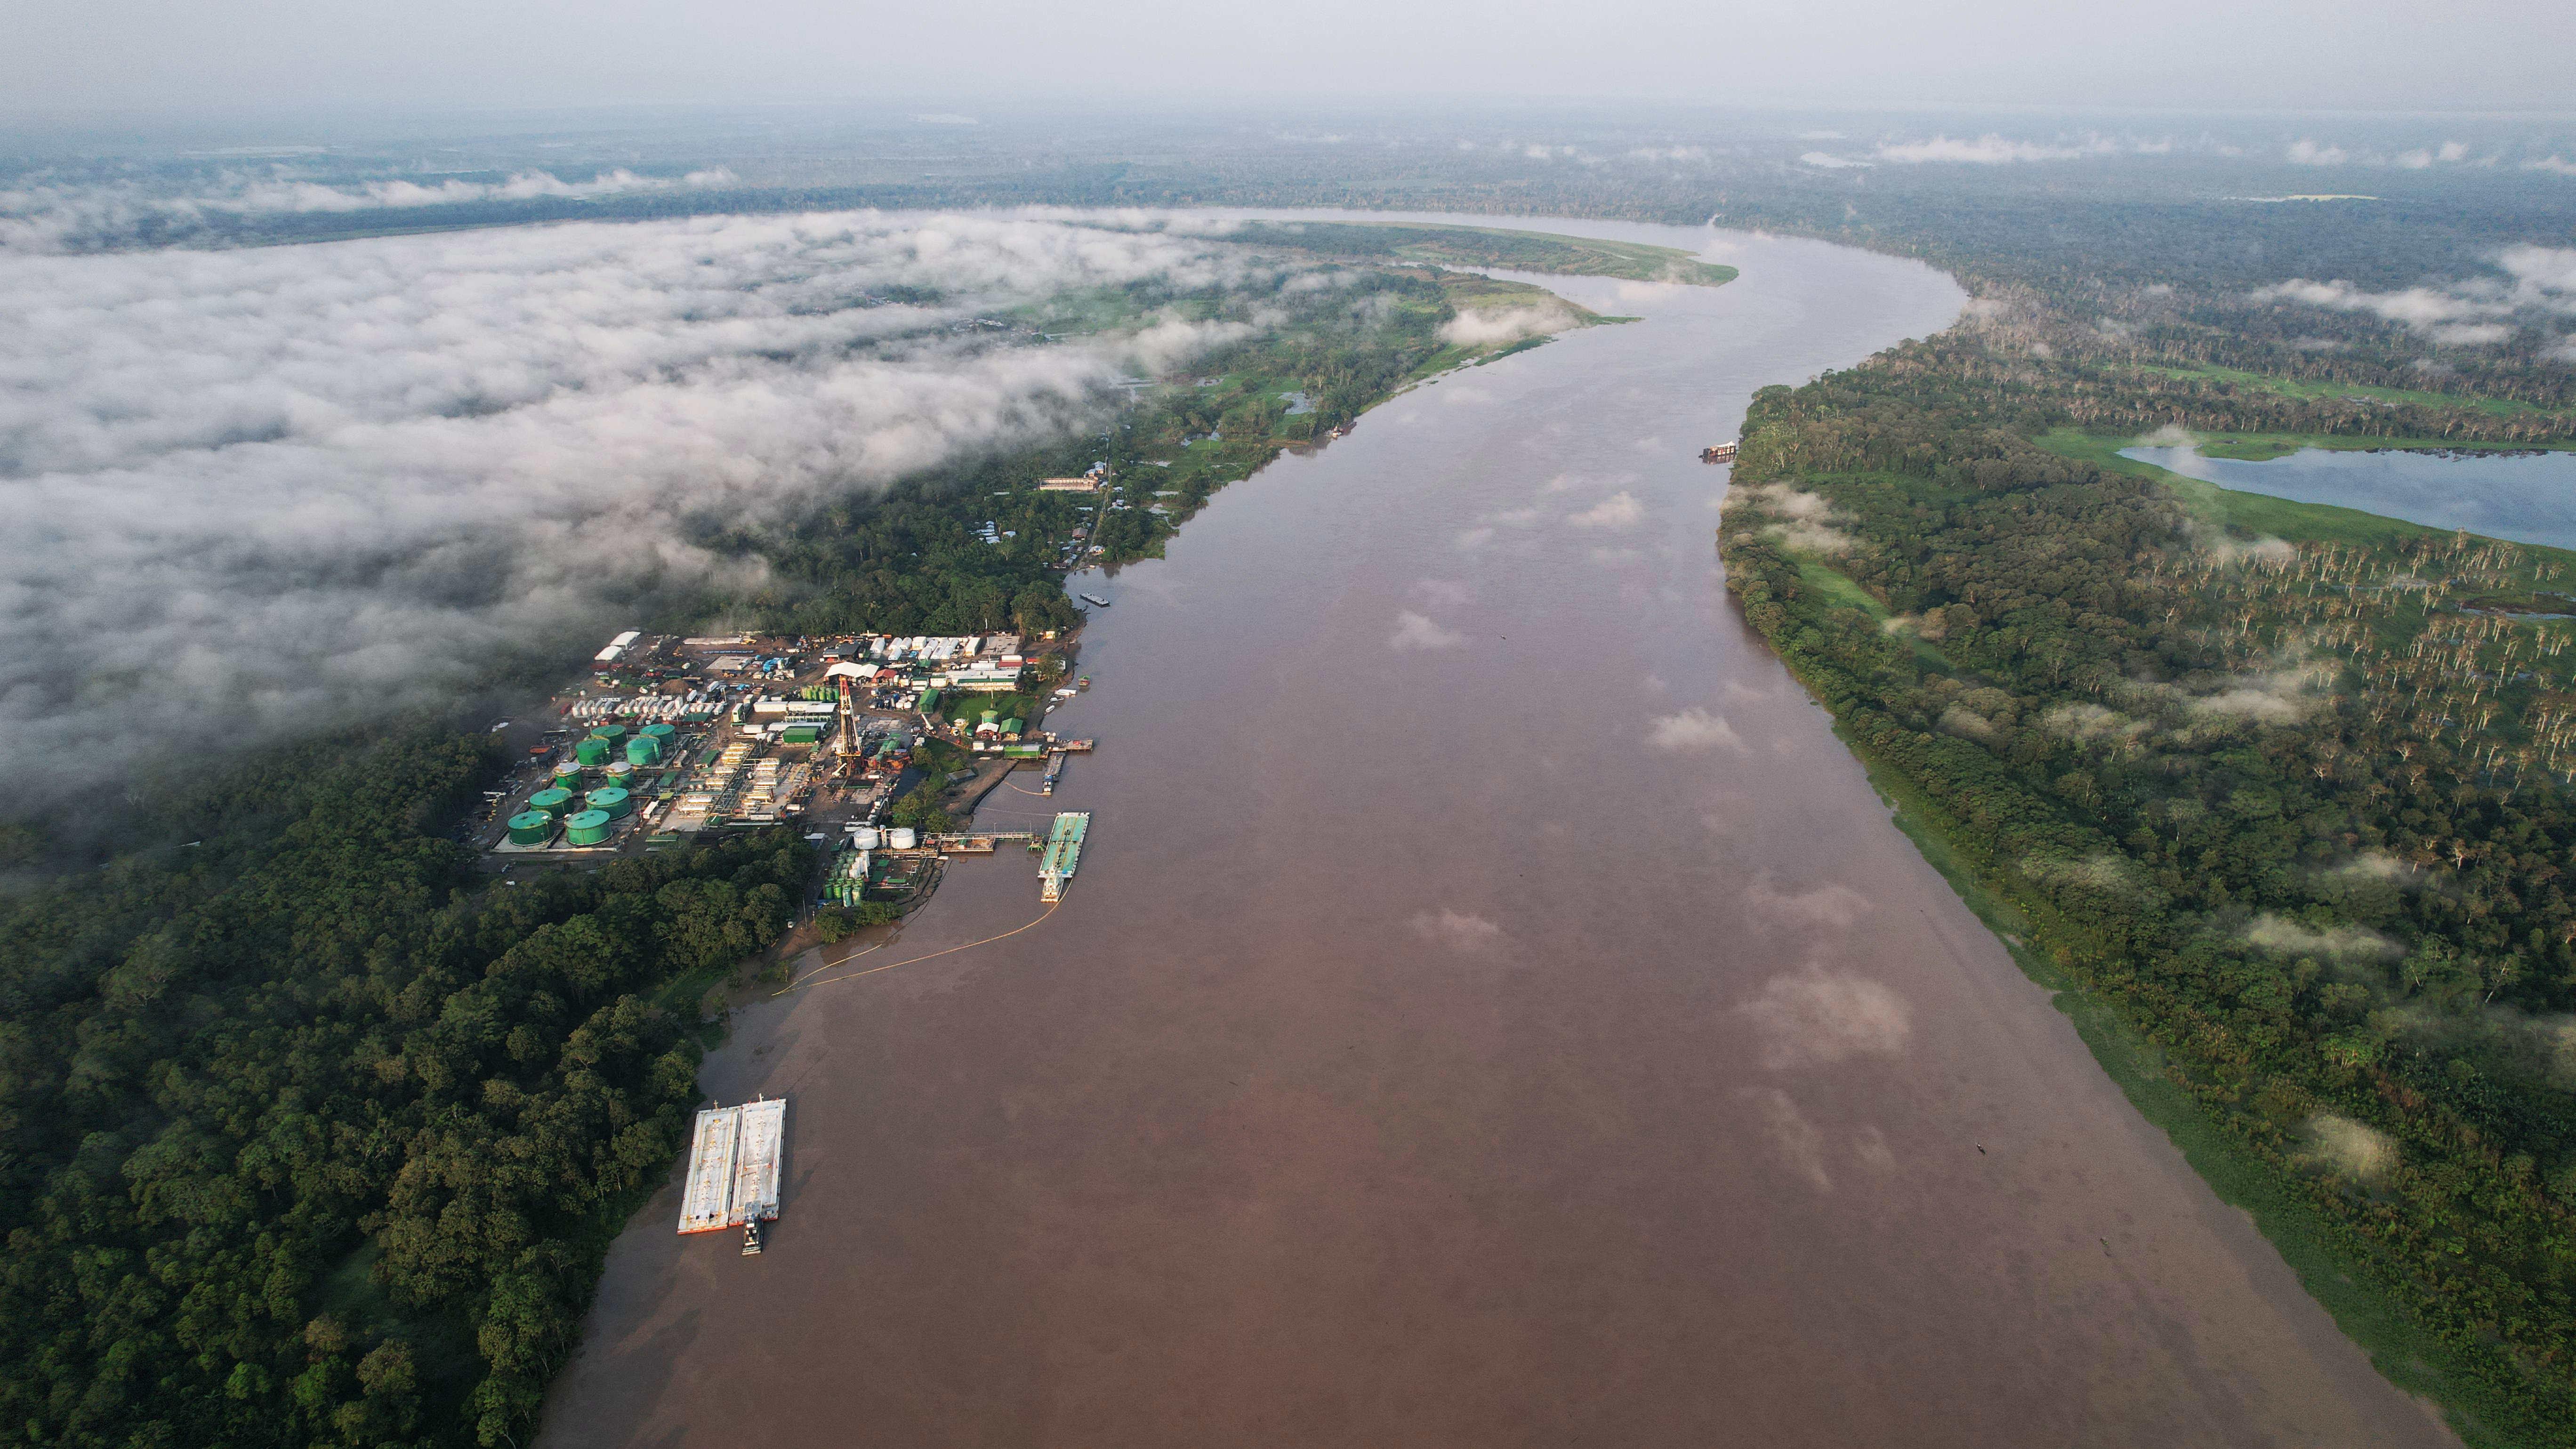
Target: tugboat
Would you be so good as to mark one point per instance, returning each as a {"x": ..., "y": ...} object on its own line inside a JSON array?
[
  {"x": 1722, "y": 453},
  {"x": 751, "y": 1238}
]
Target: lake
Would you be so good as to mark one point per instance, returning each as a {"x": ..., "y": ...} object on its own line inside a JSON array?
[{"x": 2528, "y": 497}]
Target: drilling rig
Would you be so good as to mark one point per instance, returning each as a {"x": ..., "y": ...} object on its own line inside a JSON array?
[{"x": 847, "y": 746}]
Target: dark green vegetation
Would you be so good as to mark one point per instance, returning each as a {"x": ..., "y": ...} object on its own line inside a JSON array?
[
  {"x": 314, "y": 1137},
  {"x": 311, "y": 1133},
  {"x": 912, "y": 559},
  {"x": 2281, "y": 793},
  {"x": 1461, "y": 246}
]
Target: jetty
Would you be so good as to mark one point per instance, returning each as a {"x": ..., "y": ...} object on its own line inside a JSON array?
[
  {"x": 1063, "y": 854},
  {"x": 733, "y": 1170}
]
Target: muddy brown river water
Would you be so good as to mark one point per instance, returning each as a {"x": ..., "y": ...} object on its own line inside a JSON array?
[{"x": 1493, "y": 1010}]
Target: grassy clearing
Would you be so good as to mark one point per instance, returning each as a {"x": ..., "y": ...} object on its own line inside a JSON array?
[{"x": 2313, "y": 389}]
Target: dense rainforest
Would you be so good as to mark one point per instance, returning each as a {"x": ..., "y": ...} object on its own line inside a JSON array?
[
  {"x": 2285, "y": 788},
  {"x": 314, "y": 1138}
]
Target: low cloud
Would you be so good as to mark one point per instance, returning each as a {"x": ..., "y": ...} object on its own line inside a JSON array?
[
  {"x": 2538, "y": 286},
  {"x": 1497, "y": 326},
  {"x": 2281, "y": 698},
  {"x": 1995, "y": 150},
  {"x": 2351, "y": 1149},
  {"x": 2280, "y": 933},
  {"x": 1619, "y": 510},
  {"x": 1815, "y": 1017},
  {"x": 1417, "y": 631},
  {"x": 42, "y": 218},
  {"x": 1694, "y": 731},
  {"x": 1829, "y": 162},
  {"x": 274, "y": 490},
  {"x": 1830, "y": 904},
  {"x": 1458, "y": 931},
  {"x": 1799, "y": 1141}
]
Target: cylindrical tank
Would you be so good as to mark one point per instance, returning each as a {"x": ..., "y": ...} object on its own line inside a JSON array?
[
  {"x": 552, "y": 802},
  {"x": 592, "y": 751},
  {"x": 644, "y": 750},
  {"x": 610, "y": 733},
  {"x": 660, "y": 732},
  {"x": 865, "y": 837},
  {"x": 566, "y": 774},
  {"x": 901, "y": 837},
  {"x": 611, "y": 799},
  {"x": 531, "y": 827},
  {"x": 590, "y": 827}
]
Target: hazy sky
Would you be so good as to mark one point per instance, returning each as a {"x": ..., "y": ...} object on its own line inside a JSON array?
[{"x": 2376, "y": 55}]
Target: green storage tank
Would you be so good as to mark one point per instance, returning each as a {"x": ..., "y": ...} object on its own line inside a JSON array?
[
  {"x": 615, "y": 803},
  {"x": 551, "y": 802},
  {"x": 644, "y": 750},
  {"x": 662, "y": 732},
  {"x": 621, "y": 775},
  {"x": 590, "y": 827},
  {"x": 610, "y": 733},
  {"x": 531, "y": 827},
  {"x": 592, "y": 751},
  {"x": 566, "y": 774}
]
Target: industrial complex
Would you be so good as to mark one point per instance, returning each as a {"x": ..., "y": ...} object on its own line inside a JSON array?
[{"x": 669, "y": 737}]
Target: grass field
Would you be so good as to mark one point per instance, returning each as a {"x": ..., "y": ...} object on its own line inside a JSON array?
[{"x": 2316, "y": 388}]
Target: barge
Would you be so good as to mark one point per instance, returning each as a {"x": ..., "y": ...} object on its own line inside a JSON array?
[
  {"x": 1062, "y": 855},
  {"x": 733, "y": 1170}
]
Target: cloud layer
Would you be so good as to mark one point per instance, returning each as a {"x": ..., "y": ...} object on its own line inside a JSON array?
[
  {"x": 270, "y": 489},
  {"x": 2538, "y": 285}
]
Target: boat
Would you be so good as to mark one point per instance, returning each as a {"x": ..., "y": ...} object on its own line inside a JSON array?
[
  {"x": 1722, "y": 453},
  {"x": 1093, "y": 599}
]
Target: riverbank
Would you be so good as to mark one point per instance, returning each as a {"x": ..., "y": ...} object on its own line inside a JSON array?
[{"x": 2153, "y": 718}]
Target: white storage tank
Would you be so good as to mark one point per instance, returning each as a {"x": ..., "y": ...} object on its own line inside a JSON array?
[
  {"x": 901, "y": 837},
  {"x": 865, "y": 837}
]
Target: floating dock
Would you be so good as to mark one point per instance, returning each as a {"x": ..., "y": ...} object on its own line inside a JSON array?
[
  {"x": 733, "y": 1170},
  {"x": 1063, "y": 854}
]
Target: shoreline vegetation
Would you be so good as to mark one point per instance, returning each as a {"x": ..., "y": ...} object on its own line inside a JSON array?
[
  {"x": 1478, "y": 246},
  {"x": 2272, "y": 795},
  {"x": 317, "y": 1135}
]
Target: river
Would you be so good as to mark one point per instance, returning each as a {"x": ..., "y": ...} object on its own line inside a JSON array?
[{"x": 1493, "y": 1010}]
